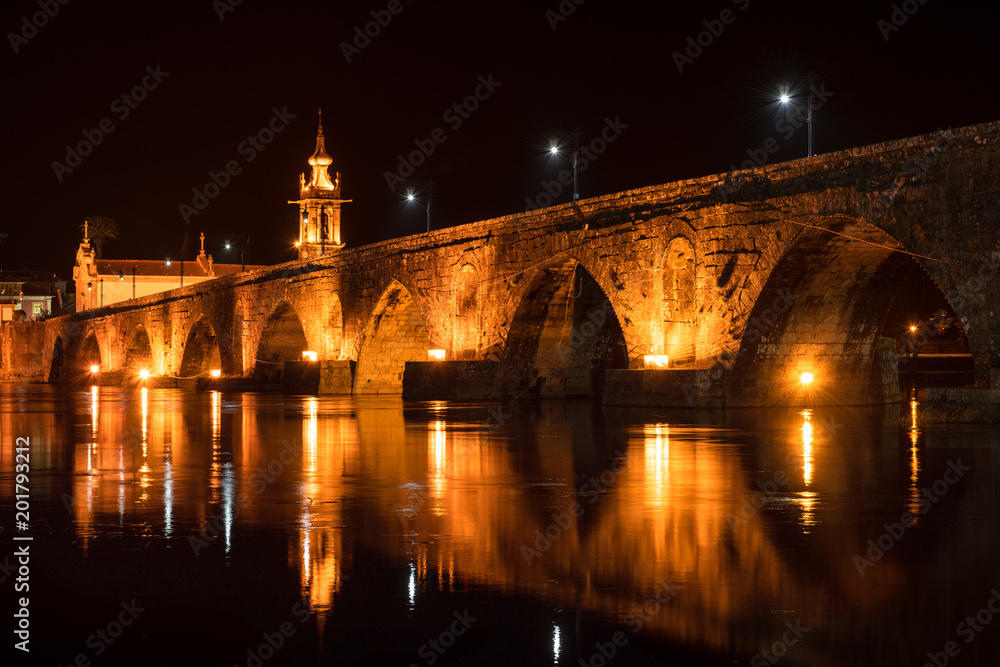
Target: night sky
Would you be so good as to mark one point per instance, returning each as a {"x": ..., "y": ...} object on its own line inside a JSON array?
[{"x": 223, "y": 71}]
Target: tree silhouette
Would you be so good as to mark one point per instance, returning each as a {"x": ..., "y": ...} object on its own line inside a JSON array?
[{"x": 100, "y": 228}]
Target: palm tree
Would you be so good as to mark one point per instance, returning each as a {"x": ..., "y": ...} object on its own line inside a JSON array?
[{"x": 100, "y": 228}]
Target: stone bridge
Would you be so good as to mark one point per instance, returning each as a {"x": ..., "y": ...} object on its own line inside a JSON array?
[{"x": 745, "y": 281}]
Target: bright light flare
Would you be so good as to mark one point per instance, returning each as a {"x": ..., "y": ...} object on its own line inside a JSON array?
[
  {"x": 215, "y": 372},
  {"x": 913, "y": 328},
  {"x": 553, "y": 149},
  {"x": 435, "y": 355},
  {"x": 655, "y": 360},
  {"x": 95, "y": 368},
  {"x": 806, "y": 378},
  {"x": 309, "y": 355},
  {"x": 143, "y": 374},
  {"x": 410, "y": 196},
  {"x": 784, "y": 99}
]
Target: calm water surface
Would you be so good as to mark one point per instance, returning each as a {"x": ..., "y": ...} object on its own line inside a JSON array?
[{"x": 378, "y": 532}]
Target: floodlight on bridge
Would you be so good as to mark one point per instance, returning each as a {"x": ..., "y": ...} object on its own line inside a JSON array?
[
  {"x": 655, "y": 360},
  {"x": 435, "y": 355}
]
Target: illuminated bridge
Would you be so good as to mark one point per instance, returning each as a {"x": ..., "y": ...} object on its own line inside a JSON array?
[{"x": 729, "y": 289}]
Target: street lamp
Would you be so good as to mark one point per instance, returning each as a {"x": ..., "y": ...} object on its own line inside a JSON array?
[
  {"x": 411, "y": 196},
  {"x": 243, "y": 248},
  {"x": 554, "y": 150},
  {"x": 785, "y": 98}
]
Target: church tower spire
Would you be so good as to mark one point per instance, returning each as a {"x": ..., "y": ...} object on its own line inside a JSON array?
[{"x": 319, "y": 203}]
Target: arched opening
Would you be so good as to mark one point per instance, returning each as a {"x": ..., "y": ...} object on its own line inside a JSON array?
[
  {"x": 88, "y": 354},
  {"x": 58, "y": 362},
  {"x": 466, "y": 313},
  {"x": 139, "y": 355},
  {"x": 201, "y": 351},
  {"x": 563, "y": 338},
  {"x": 283, "y": 339},
  {"x": 817, "y": 333},
  {"x": 395, "y": 335},
  {"x": 679, "y": 303}
]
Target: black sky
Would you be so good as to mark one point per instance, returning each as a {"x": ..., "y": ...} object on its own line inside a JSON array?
[{"x": 607, "y": 60}]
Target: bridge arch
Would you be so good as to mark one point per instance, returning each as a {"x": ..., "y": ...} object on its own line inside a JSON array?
[
  {"x": 821, "y": 312},
  {"x": 88, "y": 353},
  {"x": 282, "y": 339},
  {"x": 396, "y": 333},
  {"x": 202, "y": 350},
  {"x": 563, "y": 336},
  {"x": 138, "y": 352},
  {"x": 57, "y": 367}
]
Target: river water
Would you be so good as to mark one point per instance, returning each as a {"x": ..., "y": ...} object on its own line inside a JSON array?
[{"x": 174, "y": 527}]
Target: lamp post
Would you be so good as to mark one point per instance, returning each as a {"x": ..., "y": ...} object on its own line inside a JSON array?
[
  {"x": 243, "y": 247},
  {"x": 411, "y": 196},
  {"x": 554, "y": 150},
  {"x": 785, "y": 97}
]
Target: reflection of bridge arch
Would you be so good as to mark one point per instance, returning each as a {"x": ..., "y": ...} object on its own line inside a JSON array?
[
  {"x": 821, "y": 311},
  {"x": 396, "y": 333},
  {"x": 563, "y": 335}
]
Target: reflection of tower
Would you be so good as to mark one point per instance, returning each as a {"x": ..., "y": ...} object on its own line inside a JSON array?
[{"x": 319, "y": 204}]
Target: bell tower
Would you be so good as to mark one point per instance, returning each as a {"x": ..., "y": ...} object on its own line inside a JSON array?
[{"x": 319, "y": 204}]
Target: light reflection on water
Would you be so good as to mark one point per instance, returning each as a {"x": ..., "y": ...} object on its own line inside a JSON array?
[{"x": 569, "y": 516}]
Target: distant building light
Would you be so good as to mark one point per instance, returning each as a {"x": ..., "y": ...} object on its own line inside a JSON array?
[
  {"x": 435, "y": 355},
  {"x": 655, "y": 360},
  {"x": 309, "y": 355}
]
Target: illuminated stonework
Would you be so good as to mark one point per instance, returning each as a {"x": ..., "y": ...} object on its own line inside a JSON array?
[{"x": 319, "y": 204}]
